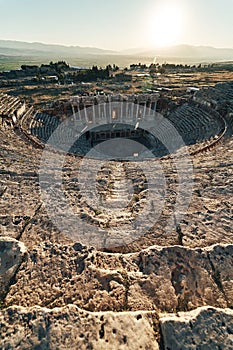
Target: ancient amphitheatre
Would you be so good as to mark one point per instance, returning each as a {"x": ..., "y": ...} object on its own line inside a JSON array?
[{"x": 165, "y": 288}]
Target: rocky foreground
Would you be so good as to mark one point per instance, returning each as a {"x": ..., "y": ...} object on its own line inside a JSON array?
[
  {"x": 72, "y": 328},
  {"x": 66, "y": 281}
]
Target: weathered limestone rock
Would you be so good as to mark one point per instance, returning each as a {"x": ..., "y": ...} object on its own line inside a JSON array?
[
  {"x": 167, "y": 279},
  {"x": 221, "y": 258},
  {"x": 205, "y": 328},
  {"x": 11, "y": 256},
  {"x": 174, "y": 278},
  {"x": 57, "y": 275},
  {"x": 71, "y": 328}
]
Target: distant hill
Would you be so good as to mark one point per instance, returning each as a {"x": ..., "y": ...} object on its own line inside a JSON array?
[
  {"x": 14, "y": 53},
  {"x": 192, "y": 52},
  {"x": 15, "y": 48}
]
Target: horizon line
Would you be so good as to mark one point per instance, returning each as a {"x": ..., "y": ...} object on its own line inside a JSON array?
[{"x": 116, "y": 50}]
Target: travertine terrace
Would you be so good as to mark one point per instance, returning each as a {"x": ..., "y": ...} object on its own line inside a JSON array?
[{"x": 156, "y": 291}]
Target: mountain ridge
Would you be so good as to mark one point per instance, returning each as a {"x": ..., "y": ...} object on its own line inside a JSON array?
[
  {"x": 14, "y": 53},
  {"x": 182, "y": 50}
]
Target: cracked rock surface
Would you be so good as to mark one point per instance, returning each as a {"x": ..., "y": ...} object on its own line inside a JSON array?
[
  {"x": 163, "y": 279},
  {"x": 205, "y": 328},
  {"x": 12, "y": 254},
  {"x": 71, "y": 328}
]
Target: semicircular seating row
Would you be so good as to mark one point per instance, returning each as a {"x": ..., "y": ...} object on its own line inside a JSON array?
[
  {"x": 220, "y": 92},
  {"x": 9, "y": 105},
  {"x": 193, "y": 123}
]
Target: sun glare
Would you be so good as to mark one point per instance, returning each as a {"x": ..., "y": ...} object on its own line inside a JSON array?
[{"x": 166, "y": 25}]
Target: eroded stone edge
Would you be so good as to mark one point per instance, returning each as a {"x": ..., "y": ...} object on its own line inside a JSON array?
[
  {"x": 72, "y": 328},
  {"x": 12, "y": 254},
  {"x": 209, "y": 327}
]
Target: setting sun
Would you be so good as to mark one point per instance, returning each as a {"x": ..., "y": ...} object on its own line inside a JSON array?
[{"x": 166, "y": 25}]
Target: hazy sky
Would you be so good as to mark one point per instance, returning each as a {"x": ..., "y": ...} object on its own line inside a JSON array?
[{"x": 118, "y": 24}]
